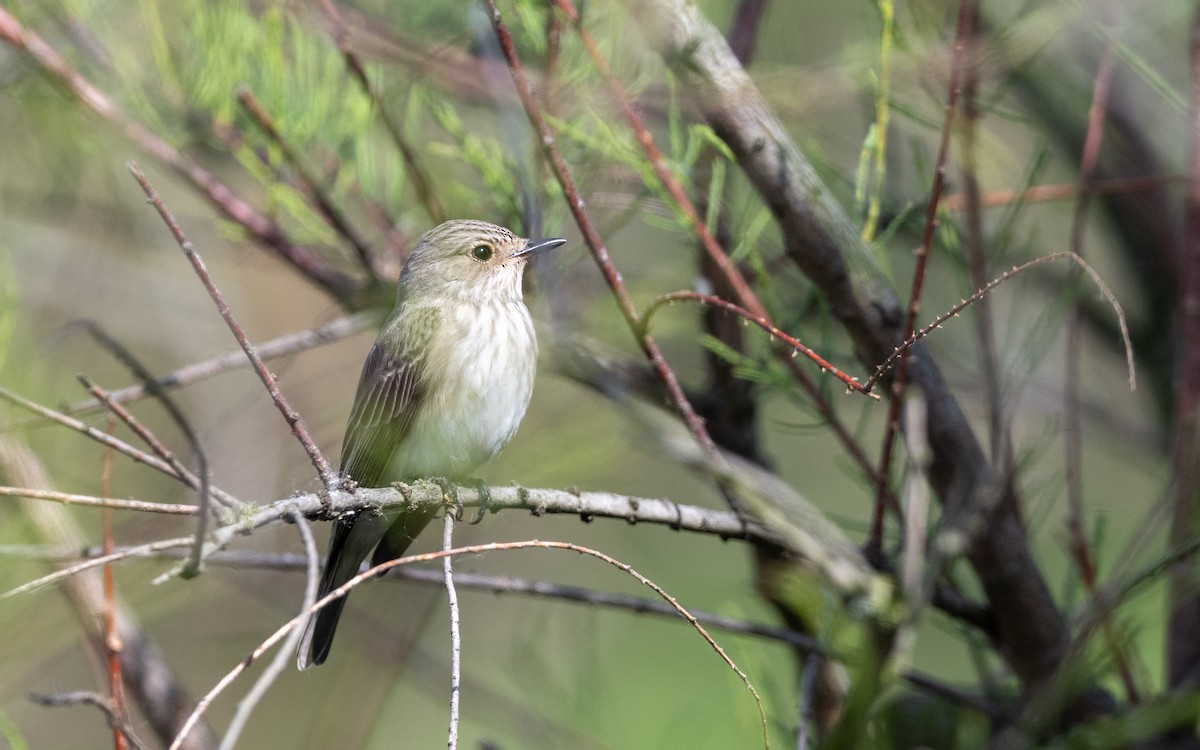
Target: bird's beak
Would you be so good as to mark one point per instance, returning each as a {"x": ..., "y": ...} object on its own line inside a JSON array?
[{"x": 532, "y": 247}]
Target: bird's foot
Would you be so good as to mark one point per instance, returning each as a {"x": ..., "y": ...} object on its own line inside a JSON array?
[
  {"x": 450, "y": 496},
  {"x": 485, "y": 500}
]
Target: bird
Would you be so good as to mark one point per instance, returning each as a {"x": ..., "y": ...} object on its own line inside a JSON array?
[{"x": 442, "y": 391}]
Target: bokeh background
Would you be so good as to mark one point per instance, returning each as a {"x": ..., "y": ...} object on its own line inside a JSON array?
[{"x": 78, "y": 242}]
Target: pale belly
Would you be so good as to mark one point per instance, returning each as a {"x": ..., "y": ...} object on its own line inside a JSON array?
[{"x": 483, "y": 381}]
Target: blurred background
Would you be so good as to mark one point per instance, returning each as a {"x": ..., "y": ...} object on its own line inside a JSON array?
[{"x": 79, "y": 243}]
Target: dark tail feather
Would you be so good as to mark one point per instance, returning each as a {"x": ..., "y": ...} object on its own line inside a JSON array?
[
  {"x": 400, "y": 535},
  {"x": 351, "y": 542},
  {"x": 318, "y": 639}
]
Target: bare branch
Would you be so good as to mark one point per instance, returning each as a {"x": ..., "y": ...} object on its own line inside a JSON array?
[
  {"x": 87, "y": 698},
  {"x": 284, "y": 655},
  {"x": 260, "y": 368},
  {"x": 115, "y": 443},
  {"x": 67, "y": 498},
  {"x": 204, "y": 369},
  {"x": 296, "y": 622},
  {"x": 455, "y": 632}
]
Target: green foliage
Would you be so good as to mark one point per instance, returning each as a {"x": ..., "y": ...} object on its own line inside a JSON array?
[
  {"x": 12, "y": 734},
  {"x": 8, "y": 306}
]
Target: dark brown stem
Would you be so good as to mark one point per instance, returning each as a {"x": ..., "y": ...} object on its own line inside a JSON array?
[
  {"x": 977, "y": 260},
  {"x": 416, "y": 171},
  {"x": 874, "y": 543},
  {"x": 1183, "y": 645},
  {"x": 309, "y": 184}
]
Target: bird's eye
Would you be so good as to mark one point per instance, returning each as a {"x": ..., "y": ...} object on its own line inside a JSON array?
[{"x": 481, "y": 253}]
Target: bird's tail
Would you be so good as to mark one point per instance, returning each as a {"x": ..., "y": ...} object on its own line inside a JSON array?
[{"x": 350, "y": 543}]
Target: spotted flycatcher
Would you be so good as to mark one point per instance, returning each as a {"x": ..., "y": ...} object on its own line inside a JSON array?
[{"x": 442, "y": 391}]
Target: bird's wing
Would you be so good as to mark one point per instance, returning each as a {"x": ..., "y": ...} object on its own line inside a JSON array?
[
  {"x": 388, "y": 396},
  {"x": 384, "y": 406}
]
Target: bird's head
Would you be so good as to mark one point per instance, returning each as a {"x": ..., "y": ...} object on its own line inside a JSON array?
[{"x": 470, "y": 259}]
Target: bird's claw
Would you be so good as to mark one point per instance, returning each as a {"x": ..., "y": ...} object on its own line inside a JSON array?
[
  {"x": 450, "y": 491},
  {"x": 485, "y": 501}
]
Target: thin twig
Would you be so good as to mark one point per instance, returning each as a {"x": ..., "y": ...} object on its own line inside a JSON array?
[
  {"x": 289, "y": 414},
  {"x": 296, "y": 622},
  {"x": 426, "y": 193},
  {"x": 1064, "y": 191},
  {"x": 1000, "y": 442},
  {"x": 96, "y": 562},
  {"x": 201, "y": 479},
  {"x": 290, "y": 343},
  {"x": 309, "y": 183},
  {"x": 67, "y": 498},
  {"x": 126, "y": 358},
  {"x": 88, "y": 698},
  {"x": 114, "y": 442},
  {"x": 139, "y": 429},
  {"x": 874, "y": 543},
  {"x": 1073, "y": 422},
  {"x": 797, "y": 347},
  {"x": 284, "y": 656},
  {"x": 112, "y": 639},
  {"x": 455, "y": 632},
  {"x": 954, "y": 311},
  {"x": 1072, "y": 437}
]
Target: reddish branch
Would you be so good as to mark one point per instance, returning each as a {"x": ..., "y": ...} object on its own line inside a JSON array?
[
  {"x": 761, "y": 322},
  {"x": 900, "y": 376},
  {"x": 415, "y": 170},
  {"x": 595, "y": 243},
  {"x": 112, "y": 639},
  {"x": 309, "y": 183}
]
